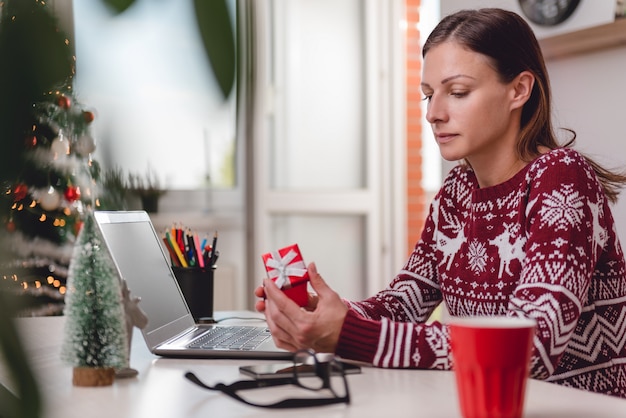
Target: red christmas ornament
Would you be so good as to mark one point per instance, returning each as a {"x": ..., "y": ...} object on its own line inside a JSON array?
[
  {"x": 88, "y": 116},
  {"x": 72, "y": 193},
  {"x": 64, "y": 101},
  {"x": 30, "y": 141},
  {"x": 11, "y": 226},
  {"x": 20, "y": 191}
]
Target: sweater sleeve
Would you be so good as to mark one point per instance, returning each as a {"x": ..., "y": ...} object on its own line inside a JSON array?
[
  {"x": 565, "y": 222},
  {"x": 393, "y": 344},
  {"x": 388, "y": 329}
]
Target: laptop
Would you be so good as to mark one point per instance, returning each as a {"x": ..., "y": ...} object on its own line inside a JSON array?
[{"x": 172, "y": 331}]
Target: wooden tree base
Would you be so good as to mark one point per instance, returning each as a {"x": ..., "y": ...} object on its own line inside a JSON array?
[{"x": 93, "y": 376}]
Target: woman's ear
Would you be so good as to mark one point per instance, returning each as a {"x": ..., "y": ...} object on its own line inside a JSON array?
[{"x": 522, "y": 87}]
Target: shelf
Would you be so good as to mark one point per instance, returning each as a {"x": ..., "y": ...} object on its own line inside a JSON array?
[{"x": 596, "y": 38}]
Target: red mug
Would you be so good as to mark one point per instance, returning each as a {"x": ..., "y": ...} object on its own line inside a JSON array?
[{"x": 491, "y": 361}]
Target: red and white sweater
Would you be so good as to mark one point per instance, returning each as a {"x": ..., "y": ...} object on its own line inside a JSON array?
[{"x": 541, "y": 245}]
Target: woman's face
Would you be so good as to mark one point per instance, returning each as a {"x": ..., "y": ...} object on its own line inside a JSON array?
[{"x": 471, "y": 112}]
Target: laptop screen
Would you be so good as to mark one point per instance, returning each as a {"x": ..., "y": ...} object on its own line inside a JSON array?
[{"x": 142, "y": 262}]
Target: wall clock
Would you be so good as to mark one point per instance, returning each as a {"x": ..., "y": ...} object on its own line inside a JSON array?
[{"x": 548, "y": 12}]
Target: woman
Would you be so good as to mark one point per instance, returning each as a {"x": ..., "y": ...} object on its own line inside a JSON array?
[{"x": 521, "y": 228}]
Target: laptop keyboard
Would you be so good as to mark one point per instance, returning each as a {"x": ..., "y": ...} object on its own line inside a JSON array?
[{"x": 232, "y": 337}]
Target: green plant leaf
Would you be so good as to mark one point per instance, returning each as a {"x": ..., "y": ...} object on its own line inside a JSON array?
[
  {"x": 118, "y": 6},
  {"x": 218, "y": 36},
  {"x": 26, "y": 402},
  {"x": 35, "y": 59}
]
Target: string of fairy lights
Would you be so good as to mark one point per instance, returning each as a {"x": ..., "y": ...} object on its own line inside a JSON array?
[{"x": 37, "y": 284}]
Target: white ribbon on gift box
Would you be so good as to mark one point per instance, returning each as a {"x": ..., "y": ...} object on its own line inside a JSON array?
[{"x": 282, "y": 267}]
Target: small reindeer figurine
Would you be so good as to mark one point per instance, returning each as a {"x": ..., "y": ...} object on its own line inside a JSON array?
[{"x": 135, "y": 317}]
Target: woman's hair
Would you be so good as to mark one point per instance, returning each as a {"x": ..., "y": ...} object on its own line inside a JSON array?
[{"x": 511, "y": 46}]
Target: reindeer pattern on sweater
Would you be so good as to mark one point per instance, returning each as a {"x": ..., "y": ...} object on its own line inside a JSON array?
[{"x": 541, "y": 245}]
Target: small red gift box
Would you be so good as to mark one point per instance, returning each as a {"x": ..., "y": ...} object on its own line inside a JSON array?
[{"x": 286, "y": 267}]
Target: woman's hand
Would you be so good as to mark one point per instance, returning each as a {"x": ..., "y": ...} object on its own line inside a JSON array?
[
  {"x": 260, "y": 304},
  {"x": 317, "y": 326}
]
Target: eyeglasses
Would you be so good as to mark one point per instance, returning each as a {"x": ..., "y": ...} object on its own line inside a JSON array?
[{"x": 328, "y": 376}]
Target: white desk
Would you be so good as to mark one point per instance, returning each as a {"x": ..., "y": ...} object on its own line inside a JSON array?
[{"x": 160, "y": 390}]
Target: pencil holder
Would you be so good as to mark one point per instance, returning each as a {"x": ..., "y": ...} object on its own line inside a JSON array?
[{"x": 196, "y": 283}]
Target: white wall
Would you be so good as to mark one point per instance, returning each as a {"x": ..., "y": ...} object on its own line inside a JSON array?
[{"x": 589, "y": 92}]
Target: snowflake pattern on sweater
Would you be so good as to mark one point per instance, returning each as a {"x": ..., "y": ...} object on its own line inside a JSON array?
[{"x": 541, "y": 245}]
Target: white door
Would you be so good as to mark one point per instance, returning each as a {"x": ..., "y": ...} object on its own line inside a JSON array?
[{"x": 325, "y": 145}]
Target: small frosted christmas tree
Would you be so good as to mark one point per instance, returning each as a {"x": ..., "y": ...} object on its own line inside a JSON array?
[{"x": 95, "y": 339}]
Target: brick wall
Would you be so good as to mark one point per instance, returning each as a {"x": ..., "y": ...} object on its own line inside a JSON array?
[{"x": 416, "y": 198}]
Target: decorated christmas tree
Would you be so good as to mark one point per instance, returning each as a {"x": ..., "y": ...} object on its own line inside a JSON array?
[
  {"x": 47, "y": 176},
  {"x": 95, "y": 336}
]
